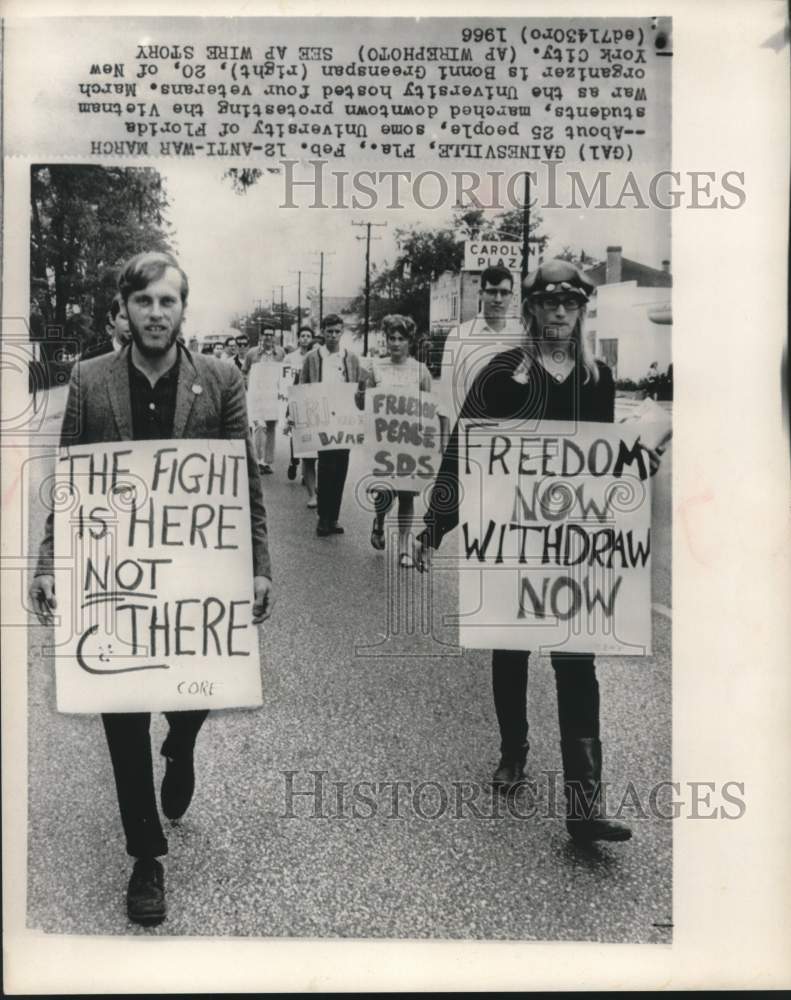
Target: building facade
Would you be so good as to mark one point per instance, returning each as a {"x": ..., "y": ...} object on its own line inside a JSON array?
[
  {"x": 629, "y": 323},
  {"x": 454, "y": 298}
]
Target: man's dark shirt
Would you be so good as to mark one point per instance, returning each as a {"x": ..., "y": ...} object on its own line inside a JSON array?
[{"x": 153, "y": 409}]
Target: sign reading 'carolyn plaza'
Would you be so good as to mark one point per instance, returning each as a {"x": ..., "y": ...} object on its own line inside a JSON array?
[
  {"x": 154, "y": 578},
  {"x": 481, "y": 253},
  {"x": 555, "y": 539}
]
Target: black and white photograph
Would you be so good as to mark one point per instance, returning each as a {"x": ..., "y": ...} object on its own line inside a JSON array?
[{"x": 345, "y": 533}]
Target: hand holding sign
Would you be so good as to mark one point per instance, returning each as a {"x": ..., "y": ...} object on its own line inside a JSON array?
[
  {"x": 264, "y": 600},
  {"x": 42, "y": 596},
  {"x": 421, "y": 554},
  {"x": 656, "y": 430}
]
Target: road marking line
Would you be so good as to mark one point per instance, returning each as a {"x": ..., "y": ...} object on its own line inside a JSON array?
[{"x": 661, "y": 609}]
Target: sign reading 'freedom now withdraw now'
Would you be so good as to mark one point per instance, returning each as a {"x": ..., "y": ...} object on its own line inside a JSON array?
[{"x": 555, "y": 539}]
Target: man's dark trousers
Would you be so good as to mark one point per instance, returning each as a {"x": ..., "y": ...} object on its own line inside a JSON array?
[
  {"x": 333, "y": 466},
  {"x": 130, "y": 751}
]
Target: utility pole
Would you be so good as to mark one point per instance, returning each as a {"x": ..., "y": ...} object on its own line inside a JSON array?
[
  {"x": 525, "y": 230},
  {"x": 259, "y": 310},
  {"x": 281, "y": 315},
  {"x": 321, "y": 289},
  {"x": 322, "y": 254},
  {"x": 299, "y": 293},
  {"x": 527, "y": 239},
  {"x": 367, "y": 239}
]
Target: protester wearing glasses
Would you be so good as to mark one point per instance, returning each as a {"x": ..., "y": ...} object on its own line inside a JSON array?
[
  {"x": 231, "y": 352},
  {"x": 264, "y": 413},
  {"x": 552, "y": 376},
  {"x": 470, "y": 346}
]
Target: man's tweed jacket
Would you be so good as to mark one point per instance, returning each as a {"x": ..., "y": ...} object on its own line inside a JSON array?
[{"x": 210, "y": 403}]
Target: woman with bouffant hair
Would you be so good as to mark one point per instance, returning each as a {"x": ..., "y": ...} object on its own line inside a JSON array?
[
  {"x": 402, "y": 371},
  {"x": 552, "y": 376}
]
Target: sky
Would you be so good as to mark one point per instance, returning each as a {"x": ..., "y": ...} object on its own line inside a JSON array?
[{"x": 237, "y": 249}]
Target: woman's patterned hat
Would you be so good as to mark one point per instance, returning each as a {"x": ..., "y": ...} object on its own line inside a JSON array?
[{"x": 558, "y": 276}]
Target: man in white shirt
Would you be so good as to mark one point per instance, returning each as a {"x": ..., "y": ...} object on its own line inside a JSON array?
[
  {"x": 263, "y": 409},
  {"x": 470, "y": 347},
  {"x": 329, "y": 363}
]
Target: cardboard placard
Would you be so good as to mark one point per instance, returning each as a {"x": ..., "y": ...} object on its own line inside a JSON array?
[
  {"x": 325, "y": 417},
  {"x": 402, "y": 436},
  {"x": 555, "y": 538},
  {"x": 154, "y": 578},
  {"x": 263, "y": 389}
]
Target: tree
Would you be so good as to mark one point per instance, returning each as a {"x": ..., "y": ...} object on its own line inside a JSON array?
[
  {"x": 85, "y": 222},
  {"x": 468, "y": 222},
  {"x": 264, "y": 316},
  {"x": 580, "y": 258},
  {"x": 243, "y": 178},
  {"x": 404, "y": 286}
]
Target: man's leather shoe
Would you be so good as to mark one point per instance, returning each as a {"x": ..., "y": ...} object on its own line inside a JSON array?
[
  {"x": 145, "y": 897},
  {"x": 511, "y": 769},
  {"x": 336, "y": 529},
  {"x": 323, "y": 529},
  {"x": 178, "y": 784}
]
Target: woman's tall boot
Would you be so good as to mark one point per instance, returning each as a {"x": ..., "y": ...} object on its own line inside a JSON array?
[
  {"x": 578, "y": 715},
  {"x": 509, "y": 687},
  {"x": 585, "y": 820}
]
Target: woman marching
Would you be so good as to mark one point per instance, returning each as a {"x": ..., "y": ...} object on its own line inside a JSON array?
[
  {"x": 552, "y": 377},
  {"x": 401, "y": 371}
]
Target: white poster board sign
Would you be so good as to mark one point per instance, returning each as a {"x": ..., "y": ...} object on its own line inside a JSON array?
[
  {"x": 555, "y": 539},
  {"x": 290, "y": 368},
  {"x": 325, "y": 416},
  {"x": 263, "y": 389},
  {"x": 402, "y": 436},
  {"x": 154, "y": 578}
]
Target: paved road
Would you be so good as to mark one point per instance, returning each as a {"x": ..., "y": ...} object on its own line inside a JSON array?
[{"x": 344, "y": 702}]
